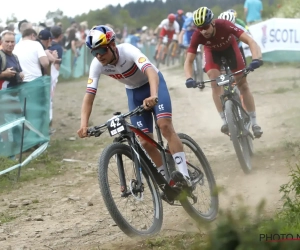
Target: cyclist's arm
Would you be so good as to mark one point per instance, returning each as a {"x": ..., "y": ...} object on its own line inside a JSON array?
[
  {"x": 153, "y": 80},
  {"x": 191, "y": 54},
  {"x": 91, "y": 90},
  {"x": 86, "y": 109},
  {"x": 180, "y": 37},
  {"x": 188, "y": 65},
  {"x": 254, "y": 48}
]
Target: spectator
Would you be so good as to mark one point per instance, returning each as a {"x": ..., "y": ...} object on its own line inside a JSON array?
[
  {"x": 10, "y": 27},
  {"x": 32, "y": 56},
  {"x": 55, "y": 46},
  {"x": 10, "y": 68},
  {"x": 57, "y": 36},
  {"x": 10, "y": 75},
  {"x": 253, "y": 10},
  {"x": 118, "y": 36},
  {"x": 132, "y": 38},
  {"x": 45, "y": 38},
  {"x": 64, "y": 38},
  {"x": 22, "y": 25}
]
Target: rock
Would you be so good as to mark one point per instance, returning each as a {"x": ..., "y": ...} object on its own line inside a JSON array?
[
  {"x": 38, "y": 218},
  {"x": 26, "y": 202},
  {"x": 74, "y": 198},
  {"x": 72, "y": 139},
  {"x": 89, "y": 203},
  {"x": 2, "y": 238},
  {"x": 13, "y": 205},
  {"x": 63, "y": 124},
  {"x": 64, "y": 199}
]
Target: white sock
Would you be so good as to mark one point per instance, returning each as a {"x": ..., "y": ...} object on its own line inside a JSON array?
[
  {"x": 161, "y": 170},
  {"x": 180, "y": 160}
]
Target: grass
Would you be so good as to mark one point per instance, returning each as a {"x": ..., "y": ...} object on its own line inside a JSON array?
[
  {"x": 281, "y": 90},
  {"x": 6, "y": 217},
  {"x": 47, "y": 165}
]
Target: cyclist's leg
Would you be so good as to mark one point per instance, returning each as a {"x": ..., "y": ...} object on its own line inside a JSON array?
[
  {"x": 237, "y": 63},
  {"x": 163, "y": 112},
  {"x": 144, "y": 121},
  {"x": 212, "y": 61},
  {"x": 161, "y": 35},
  {"x": 175, "y": 46}
]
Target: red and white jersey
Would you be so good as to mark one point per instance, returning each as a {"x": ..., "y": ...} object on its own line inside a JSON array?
[
  {"x": 129, "y": 69},
  {"x": 168, "y": 26}
]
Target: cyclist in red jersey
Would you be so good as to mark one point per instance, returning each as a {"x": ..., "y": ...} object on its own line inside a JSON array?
[{"x": 218, "y": 38}]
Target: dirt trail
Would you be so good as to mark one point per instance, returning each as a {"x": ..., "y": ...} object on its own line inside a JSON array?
[{"x": 70, "y": 213}]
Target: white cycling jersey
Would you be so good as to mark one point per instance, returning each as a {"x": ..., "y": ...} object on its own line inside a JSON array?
[
  {"x": 166, "y": 25},
  {"x": 129, "y": 69}
]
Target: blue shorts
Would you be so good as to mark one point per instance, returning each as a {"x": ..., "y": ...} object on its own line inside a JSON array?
[{"x": 163, "y": 109}]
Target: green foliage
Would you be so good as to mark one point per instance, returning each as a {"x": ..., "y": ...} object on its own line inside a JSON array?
[
  {"x": 291, "y": 198},
  {"x": 288, "y": 8}
]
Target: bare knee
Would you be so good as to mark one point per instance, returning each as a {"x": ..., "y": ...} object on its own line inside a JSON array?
[
  {"x": 146, "y": 145},
  {"x": 166, "y": 127},
  {"x": 243, "y": 87}
]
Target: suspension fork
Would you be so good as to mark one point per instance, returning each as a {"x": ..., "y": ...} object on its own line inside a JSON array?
[
  {"x": 135, "y": 147},
  {"x": 161, "y": 143}
]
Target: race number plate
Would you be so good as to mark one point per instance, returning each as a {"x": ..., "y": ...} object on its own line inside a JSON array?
[
  {"x": 222, "y": 80},
  {"x": 116, "y": 125}
]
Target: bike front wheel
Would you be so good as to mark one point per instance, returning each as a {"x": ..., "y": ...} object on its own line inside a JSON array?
[
  {"x": 205, "y": 207},
  {"x": 137, "y": 212},
  {"x": 239, "y": 140}
]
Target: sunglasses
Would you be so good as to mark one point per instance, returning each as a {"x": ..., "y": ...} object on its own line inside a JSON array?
[
  {"x": 101, "y": 51},
  {"x": 205, "y": 27}
]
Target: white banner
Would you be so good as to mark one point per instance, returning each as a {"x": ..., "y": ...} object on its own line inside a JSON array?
[{"x": 277, "y": 34}]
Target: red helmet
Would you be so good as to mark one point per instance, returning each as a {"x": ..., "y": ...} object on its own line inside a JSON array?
[
  {"x": 171, "y": 17},
  {"x": 180, "y": 12}
]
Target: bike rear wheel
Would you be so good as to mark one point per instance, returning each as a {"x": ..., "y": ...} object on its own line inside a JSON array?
[
  {"x": 205, "y": 209},
  {"x": 136, "y": 213},
  {"x": 239, "y": 140}
]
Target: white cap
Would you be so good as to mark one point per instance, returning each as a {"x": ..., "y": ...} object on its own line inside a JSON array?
[{"x": 144, "y": 28}]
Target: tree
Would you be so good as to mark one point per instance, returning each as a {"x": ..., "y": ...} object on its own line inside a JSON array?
[
  {"x": 12, "y": 19},
  {"x": 58, "y": 14}
]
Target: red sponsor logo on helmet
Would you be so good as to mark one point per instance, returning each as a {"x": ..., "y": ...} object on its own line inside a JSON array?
[{"x": 109, "y": 35}]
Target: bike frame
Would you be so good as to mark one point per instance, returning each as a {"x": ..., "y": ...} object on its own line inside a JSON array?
[
  {"x": 229, "y": 94},
  {"x": 130, "y": 135}
]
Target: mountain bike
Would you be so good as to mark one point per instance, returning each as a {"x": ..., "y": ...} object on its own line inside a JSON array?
[
  {"x": 162, "y": 51},
  {"x": 129, "y": 181},
  {"x": 236, "y": 116},
  {"x": 172, "y": 53}
]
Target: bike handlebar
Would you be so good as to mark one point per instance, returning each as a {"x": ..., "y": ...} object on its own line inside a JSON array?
[
  {"x": 96, "y": 130},
  {"x": 201, "y": 85}
]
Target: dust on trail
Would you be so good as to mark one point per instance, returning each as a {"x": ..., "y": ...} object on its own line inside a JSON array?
[{"x": 70, "y": 213}]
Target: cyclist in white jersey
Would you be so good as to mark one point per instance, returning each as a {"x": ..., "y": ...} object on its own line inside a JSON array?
[
  {"x": 168, "y": 27},
  {"x": 144, "y": 84}
]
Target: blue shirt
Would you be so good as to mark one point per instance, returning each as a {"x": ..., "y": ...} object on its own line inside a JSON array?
[
  {"x": 56, "y": 46},
  {"x": 181, "y": 21},
  {"x": 254, "y": 8},
  {"x": 189, "y": 29},
  {"x": 18, "y": 37},
  {"x": 11, "y": 62}
]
